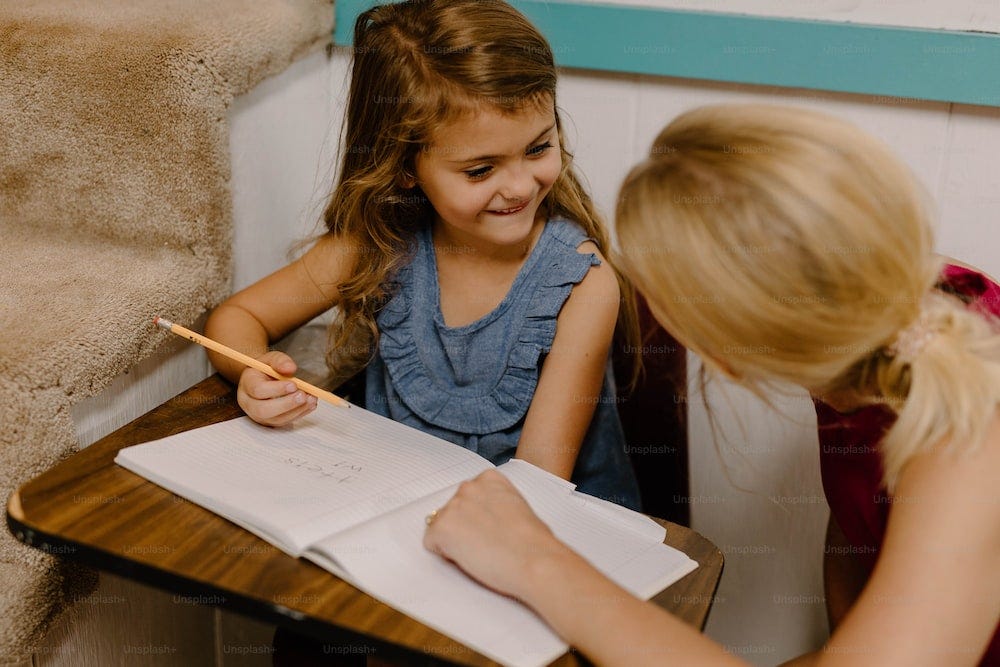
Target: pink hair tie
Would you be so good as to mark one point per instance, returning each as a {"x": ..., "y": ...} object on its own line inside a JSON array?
[{"x": 911, "y": 340}]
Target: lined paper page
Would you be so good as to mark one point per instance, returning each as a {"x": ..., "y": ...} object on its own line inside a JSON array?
[
  {"x": 386, "y": 559},
  {"x": 333, "y": 469},
  {"x": 624, "y": 545}
]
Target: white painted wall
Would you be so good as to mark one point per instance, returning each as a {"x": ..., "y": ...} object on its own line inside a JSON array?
[
  {"x": 760, "y": 500},
  {"x": 283, "y": 138}
]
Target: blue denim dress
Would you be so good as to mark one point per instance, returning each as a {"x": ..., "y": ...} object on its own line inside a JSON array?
[{"x": 472, "y": 385}]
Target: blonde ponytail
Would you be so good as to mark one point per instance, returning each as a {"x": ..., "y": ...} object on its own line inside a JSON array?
[{"x": 947, "y": 390}]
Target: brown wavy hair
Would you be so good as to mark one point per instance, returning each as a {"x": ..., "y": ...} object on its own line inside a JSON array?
[{"x": 417, "y": 66}]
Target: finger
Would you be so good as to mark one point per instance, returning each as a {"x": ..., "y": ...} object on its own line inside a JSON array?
[
  {"x": 267, "y": 410},
  {"x": 280, "y": 362},
  {"x": 432, "y": 545},
  {"x": 290, "y": 416},
  {"x": 464, "y": 489},
  {"x": 434, "y": 519},
  {"x": 429, "y": 542},
  {"x": 432, "y": 537},
  {"x": 494, "y": 477},
  {"x": 260, "y": 387},
  {"x": 275, "y": 408}
]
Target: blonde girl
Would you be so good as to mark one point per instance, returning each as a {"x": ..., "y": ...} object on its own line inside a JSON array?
[
  {"x": 462, "y": 252},
  {"x": 843, "y": 296}
]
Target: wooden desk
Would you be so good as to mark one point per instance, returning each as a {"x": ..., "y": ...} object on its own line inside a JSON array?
[{"x": 89, "y": 509}]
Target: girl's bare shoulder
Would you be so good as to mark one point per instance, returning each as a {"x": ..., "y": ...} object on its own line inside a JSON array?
[{"x": 331, "y": 258}]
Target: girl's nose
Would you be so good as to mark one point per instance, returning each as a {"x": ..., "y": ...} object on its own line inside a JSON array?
[{"x": 519, "y": 185}]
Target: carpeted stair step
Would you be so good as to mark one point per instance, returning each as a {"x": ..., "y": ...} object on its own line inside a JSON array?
[{"x": 114, "y": 206}]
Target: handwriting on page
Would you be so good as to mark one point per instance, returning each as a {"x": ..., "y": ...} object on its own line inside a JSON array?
[
  {"x": 332, "y": 470},
  {"x": 339, "y": 471}
]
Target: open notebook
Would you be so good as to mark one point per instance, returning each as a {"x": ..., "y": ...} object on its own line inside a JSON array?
[{"x": 349, "y": 490}]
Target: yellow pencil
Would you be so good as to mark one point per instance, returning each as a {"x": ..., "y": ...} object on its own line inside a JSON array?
[{"x": 249, "y": 361}]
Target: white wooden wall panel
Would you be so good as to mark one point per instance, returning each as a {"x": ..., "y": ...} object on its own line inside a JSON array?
[
  {"x": 599, "y": 113},
  {"x": 170, "y": 370},
  {"x": 756, "y": 493},
  {"x": 969, "y": 198},
  {"x": 283, "y": 139},
  {"x": 125, "y": 623}
]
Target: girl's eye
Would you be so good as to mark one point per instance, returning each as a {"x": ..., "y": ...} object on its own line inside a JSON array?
[
  {"x": 480, "y": 172},
  {"x": 539, "y": 149}
]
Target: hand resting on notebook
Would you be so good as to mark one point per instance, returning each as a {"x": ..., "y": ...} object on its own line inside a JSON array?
[{"x": 477, "y": 526}]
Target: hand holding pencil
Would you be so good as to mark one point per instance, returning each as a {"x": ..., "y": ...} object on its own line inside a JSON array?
[{"x": 266, "y": 395}]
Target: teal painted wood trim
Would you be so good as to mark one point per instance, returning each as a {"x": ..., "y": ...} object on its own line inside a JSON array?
[{"x": 891, "y": 62}]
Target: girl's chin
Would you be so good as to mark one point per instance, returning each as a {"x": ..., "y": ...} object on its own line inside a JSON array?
[
  {"x": 512, "y": 228},
  {"x": 499, "y": 229}
]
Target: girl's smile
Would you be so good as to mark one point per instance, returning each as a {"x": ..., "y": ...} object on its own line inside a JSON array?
[{"x": 509, "y": 211}]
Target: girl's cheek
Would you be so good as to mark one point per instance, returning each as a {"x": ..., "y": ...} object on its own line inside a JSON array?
[
  {"x": 479, "y": 198},
  {"x": 554, "y": 166}
]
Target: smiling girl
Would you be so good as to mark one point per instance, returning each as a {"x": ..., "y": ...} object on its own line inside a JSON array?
[{"x": 464, "y": 248}]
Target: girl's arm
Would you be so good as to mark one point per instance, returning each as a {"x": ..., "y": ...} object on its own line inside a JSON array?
[
  {"x": 253, "y": 318},
  {"x": 570, "y": 381}
]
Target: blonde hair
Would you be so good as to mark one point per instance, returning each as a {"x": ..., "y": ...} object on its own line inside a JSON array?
[
  {"x": 790, "y": 247},
  {"x": 418, "y": 65}
]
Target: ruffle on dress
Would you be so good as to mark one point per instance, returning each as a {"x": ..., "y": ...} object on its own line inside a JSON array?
[{"x": 475, "y": 409}]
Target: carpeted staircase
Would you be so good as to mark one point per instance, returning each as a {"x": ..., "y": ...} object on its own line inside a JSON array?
[{"x": 114, "y": 206}]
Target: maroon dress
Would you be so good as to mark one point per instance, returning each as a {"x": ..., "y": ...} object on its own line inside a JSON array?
[{"x": 850, "y": 464}]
